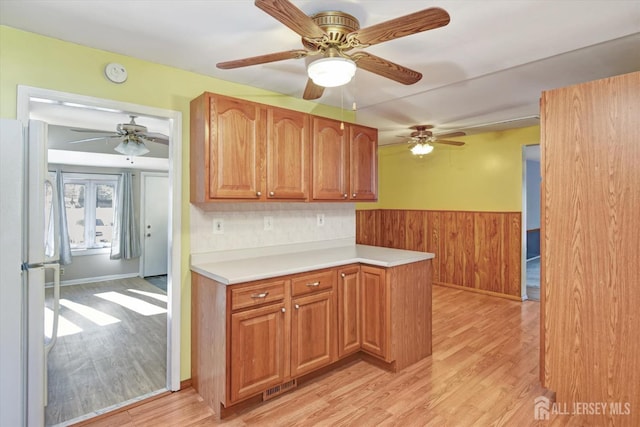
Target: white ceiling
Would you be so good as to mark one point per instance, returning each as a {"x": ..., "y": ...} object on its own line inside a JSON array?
[{"x": 488, "y": 65}]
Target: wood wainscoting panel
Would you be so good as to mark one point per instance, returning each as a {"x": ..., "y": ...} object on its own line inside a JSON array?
[
  {"x": 480, "y": 251},
  {"x": 367, "y": 224}
]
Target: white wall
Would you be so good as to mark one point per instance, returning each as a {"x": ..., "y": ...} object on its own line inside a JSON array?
[
  {"x": 533, "y": 194},
  {"x": 292, "y": 223}
]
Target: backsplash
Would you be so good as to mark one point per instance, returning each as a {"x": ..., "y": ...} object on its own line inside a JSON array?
[{"x": 243, "y": 224}]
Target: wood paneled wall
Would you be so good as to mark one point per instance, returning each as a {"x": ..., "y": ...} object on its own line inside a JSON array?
[{"x": 478, "y": 251}]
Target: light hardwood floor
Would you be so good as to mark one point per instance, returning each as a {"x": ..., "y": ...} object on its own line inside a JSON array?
[
  {"x": 107, "y": 353},
  {"x": 483, "y": 372}
]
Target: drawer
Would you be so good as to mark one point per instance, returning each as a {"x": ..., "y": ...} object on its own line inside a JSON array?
[
  {"x": 258, "y": 294},
  {"x": 313, "y": 282}
]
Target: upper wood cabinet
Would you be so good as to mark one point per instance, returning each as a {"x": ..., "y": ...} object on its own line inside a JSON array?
[
  {"x": 287, "y": 161},
  {"x": 242, "y": 150},
  {"x": 345, "y": 161},
  {"x": 363, "y": 163},
  {"x": 227, "y": 148},
  {"x": 330, "y": 152}
]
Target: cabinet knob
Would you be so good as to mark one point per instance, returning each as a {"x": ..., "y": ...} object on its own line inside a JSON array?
[
  {"x": 283, "y": 309},
  {"x": 297, "y": 306},
  {"x": 271, "y": 194},
  {"x": 345, "y": 195},
  {"x": 258, "y": 193},
  {"x": 343, "y": 275},
  {"x": 354, "y": 195},
  {"x": 148, "y": 234}
]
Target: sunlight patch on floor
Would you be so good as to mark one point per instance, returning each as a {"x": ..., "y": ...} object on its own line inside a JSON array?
[
  {"x": 159, "y": 297},
  {"x": 91, "y": 314},
  {"x": 134, "y": 304},
  {"x": 65, "y": 327}
]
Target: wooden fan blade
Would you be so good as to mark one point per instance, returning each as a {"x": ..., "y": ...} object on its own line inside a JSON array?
[
  {"x": 285, "y": 12},
  {"x": 385, "y": 68},
  {"x": 451, "y": 135},
  {"x": 312, "y": 90},
  {"x": 417, "y": 22},
  {"x": 443, "y": 141},
  {"x": 262, "y": 59}
]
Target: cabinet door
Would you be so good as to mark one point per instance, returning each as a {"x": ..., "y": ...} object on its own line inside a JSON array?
[
  {"x": 363, "y": 158},
  {"x": 257, "y": 350},
  {"x": 237, "y": 140},
  {"x": 287, "y": 154},
  {"x": 349, "y": 306},
  {"x": 311, "y": 332},
  {"x": 375, "y": 311},
  {"x": 330, "y": 164}
]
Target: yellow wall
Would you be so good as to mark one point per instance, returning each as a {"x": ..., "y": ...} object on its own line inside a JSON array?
[
  {"x": 32, "y": 60},
  {"x": 483, "y": 175}
]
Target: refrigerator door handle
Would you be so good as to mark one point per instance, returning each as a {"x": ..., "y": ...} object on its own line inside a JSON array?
[
  {"x": 54, "y": 330},
  {"x": 56, "y": 305}
]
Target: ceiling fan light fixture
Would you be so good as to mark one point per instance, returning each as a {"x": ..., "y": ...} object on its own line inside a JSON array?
[
  {"x": 420, "y": 149},
  {"x": 132, "y": 147},
  {"x": 331, "y": 71}
]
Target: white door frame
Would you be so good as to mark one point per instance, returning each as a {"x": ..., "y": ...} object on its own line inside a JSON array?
[
  {"x": 25, "y": 93},
  {"x": 143, "y": 214}
]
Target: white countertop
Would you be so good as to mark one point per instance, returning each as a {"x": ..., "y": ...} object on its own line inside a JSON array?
[{"x": 247, "y": 269}]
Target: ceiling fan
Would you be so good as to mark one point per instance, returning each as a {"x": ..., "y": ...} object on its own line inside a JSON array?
[
  {"x": 331, "y": 35},
  {"x": 421, "y": 139},
  {"x": 133, "y": 137}
]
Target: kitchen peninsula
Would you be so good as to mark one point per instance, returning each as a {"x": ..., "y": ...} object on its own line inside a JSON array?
[{"x": 266, "y": 319}]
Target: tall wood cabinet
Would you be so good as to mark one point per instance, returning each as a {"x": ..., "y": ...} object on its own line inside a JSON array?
[
  {"x": 242, "y": 150},
  {"x": 590, "y": 296}
]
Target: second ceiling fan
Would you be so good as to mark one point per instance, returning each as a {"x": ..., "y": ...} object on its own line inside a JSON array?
[{"x": 331, "y": 35}]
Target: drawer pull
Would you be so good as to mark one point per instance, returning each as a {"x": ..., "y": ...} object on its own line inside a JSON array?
[
  {"x": 260, "y": 295},
  {"x": 313, "y": 285}
]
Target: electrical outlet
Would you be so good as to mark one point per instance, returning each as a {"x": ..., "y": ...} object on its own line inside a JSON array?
[
  {"x": 320, "y": 218},
  {"x": 218, "y": 226},
  {"x": 268, "y": 223}
]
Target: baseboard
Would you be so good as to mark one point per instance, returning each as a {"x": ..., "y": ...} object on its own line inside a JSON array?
[
  {"x": 86, "y": 280},
  {"x": 479, "y": 291}
]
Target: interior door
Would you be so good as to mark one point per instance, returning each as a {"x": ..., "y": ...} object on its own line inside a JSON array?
[{"x": 155, "y": 224}]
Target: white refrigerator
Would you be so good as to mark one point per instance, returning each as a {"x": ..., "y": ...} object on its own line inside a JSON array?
[{"x": 28, "y": 247}]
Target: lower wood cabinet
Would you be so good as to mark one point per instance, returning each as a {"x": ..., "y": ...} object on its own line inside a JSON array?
[
  {"x": 349, "y": 310},
  {"x": 312, "y": 332},
  {"x": 257, "y": 350},
  {"x": 375, "y": 311},
  {"x": 256, "y": 337},
  {"x": 273, "y": 343}
]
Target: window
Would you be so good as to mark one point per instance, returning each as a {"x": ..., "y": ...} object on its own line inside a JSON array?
[{"x": 89, "y": 203}]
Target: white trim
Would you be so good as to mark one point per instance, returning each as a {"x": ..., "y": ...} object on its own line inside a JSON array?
[
  {"x": 175, "y": 187},
  {"x": 523, "y": 228}
]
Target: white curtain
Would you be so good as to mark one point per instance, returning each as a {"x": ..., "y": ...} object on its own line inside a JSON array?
[
  {"x": 62, "y": 239},
  {"x": 126, "y": 241}
]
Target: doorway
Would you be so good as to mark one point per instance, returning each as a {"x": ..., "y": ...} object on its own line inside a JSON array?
[
  {"x": 531, "y": 222},
  {"x": 89, "y": 112},
  {"x": 154, "y": 189}
]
